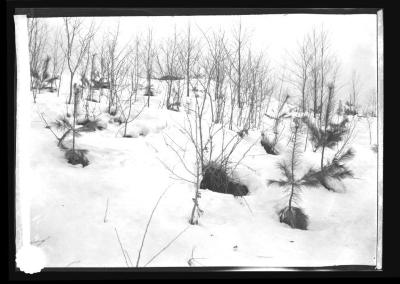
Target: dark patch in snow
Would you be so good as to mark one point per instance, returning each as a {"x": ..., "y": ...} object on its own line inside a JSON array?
[
  {"x": 294, "y": 217},
  {"x": 77, "y": 157},
  {"x": 89, "y": 125},
  {"x": 243, "y": 133},
  {"x": 215, "y": 178},
  {"x": 268, "y": 147}
]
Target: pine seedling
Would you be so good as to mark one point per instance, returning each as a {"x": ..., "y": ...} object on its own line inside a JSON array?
[
  {"x": 74, "y": 156},
  {"x": 292, "y": 215},
  {"x": 328, "y": 136}
]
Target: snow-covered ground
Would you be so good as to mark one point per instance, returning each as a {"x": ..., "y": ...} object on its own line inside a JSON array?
[{"x": 83, "y": 217}]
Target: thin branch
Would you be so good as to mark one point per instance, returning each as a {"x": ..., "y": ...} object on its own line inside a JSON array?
[
  {"x": 105, "y": 214},
  {"x": 148, "y": 224},
  {"x": 164, "y": 248},
  {"x": 122, "y": 248}
]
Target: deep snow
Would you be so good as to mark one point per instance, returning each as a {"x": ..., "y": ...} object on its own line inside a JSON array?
[{"x": 69, "y": 202}]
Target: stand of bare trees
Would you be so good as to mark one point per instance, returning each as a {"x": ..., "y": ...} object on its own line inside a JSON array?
[
  {"x": 58, "y": 62},
  {"x": 167, "y": 59},
  {"x": 125, "y": 103},
  {"x": 302, "y": 71},
  {"x": 37, "y": 34},
  {"x": 148, "y": 57},
  {"x": 117, "y": 69}
]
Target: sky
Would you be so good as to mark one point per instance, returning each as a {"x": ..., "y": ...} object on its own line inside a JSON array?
[{"x": 352, "y": 38}]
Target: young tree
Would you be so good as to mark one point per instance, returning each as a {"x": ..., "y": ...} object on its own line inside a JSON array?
[
  {"x": 328, "y": 67},
  {"x": 277, "y": 117},
  {"x": 355, "y": 88},
  {"x": 92, "y": 76},
  {"x": 328, "y": 135},
  {"x": 315, "y": 69},
  {"x": 117, "y": 68},
  {"x": 125, "y": 105},
  {"x": 188, "y": 56},
  {"x": 292, "y": 215},
  {"x": 148, "y": 57},
  {"x": 74, "y": 156},
  {"x": 58, "y": 61},
  {"x": 370, "y": 113},
  {"x": 76, "y": 46},
  {"x": 240, "y": 42}
]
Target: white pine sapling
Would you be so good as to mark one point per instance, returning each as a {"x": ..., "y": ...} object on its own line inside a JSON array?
[
  {"x": 74, "y": 156},
  {"x": 329, "y": 135},
  {"x": 293, "y": 215}
]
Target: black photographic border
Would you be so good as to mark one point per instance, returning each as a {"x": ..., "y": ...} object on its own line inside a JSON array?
[{"x": 158, "y": 8}]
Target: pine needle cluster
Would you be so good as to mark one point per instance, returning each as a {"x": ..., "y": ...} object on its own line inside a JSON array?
[
  {"x": 326, "y": 137},
  {"x": 335, "y": 169}
]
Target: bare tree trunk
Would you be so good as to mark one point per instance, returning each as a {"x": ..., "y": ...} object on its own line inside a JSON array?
[
  {"x": 188, "y": 64},
  {"x": 76, "y": 92},
  {"x": 70, "y": 87}
]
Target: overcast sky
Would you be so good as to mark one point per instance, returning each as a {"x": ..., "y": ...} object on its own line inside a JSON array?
[{"x": 352, "y": 37}]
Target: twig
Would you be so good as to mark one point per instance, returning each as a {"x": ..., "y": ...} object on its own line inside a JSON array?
[
  {"x": 164, "y": 248},
  {"x": 173, "y": 172},
  {"x": 48, "y": 126},
  {"x": 122, "y": 248},
  {"x": 128, "y": 257},
  {"x": 179, "y": 156},
  {"x": 40, "y": 242},
  {"x": 245, "y": 153},
  {"x": 194, "y": 259},
  {"x": 105, "y": 214},
  {"x": 248, "y": 206},
  {"x": 73, "y": 262},
  {"x": 148, "y": 224}
]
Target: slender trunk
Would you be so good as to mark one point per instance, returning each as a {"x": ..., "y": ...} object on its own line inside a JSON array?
[
  {"x": 239, "y": 77},
  {"x": 315, "y": 94},
  {"x": 369, "y": 128},
  {"x": 34, "y": 95},
  {"x": 70, "y": 87},
  {"x": 187, "y": 82},
  {"x": 188, "y": 65},
  {"x": 193, "y": 219},
  {"x": 327, "y": 113},
  {"x": 169, "y": 94},
  {"x": 303, "y": 98},
  {"x": 322, "y": 91},
  {"x": 73, "y": 125},
  {"x": 292, "y": 166},
  {"x": 276, "y": 123},
  {"x": 291, "y": 197},
  {"x": 129, "y": 114},
  {"x": 58, "y": 87},
  {"x": 231, "y": 118},
  {"x": 305, "y": 144}
]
